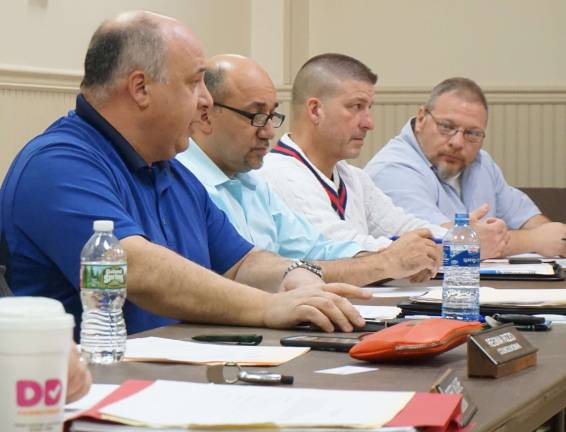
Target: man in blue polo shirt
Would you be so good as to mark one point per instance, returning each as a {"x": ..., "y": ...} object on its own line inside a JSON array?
[
  {"x": 435, "y": 167},
  {"x": 229, "y": 145},
  {"x": 111, "y": 158}
]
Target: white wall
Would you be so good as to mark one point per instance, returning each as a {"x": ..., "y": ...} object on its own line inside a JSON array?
[
  {"x": 54, "y": 34},
  {"x": 419, "y": 43}
]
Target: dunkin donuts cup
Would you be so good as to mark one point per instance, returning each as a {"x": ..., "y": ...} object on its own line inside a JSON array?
[{"x": 35, "y": 339}]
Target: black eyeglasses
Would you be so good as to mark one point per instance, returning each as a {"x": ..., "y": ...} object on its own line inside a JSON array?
[
  {"x": 448, "y": 129},
  {"x": 257, "y": 119}
]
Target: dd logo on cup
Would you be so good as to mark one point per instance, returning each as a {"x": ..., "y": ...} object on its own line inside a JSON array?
[{"x": 30, "y": 393}]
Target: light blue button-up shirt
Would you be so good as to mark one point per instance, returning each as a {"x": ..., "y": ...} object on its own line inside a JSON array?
[
  {"x": 403, "y": 172},
  {"x": 260, "y": 215}
]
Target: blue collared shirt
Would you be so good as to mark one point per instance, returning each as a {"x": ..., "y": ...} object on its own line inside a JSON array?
[
  {"x": 260, "y": 215},
  {"x": 80, "y": 170},
  {"x": 403, "y": 172}
]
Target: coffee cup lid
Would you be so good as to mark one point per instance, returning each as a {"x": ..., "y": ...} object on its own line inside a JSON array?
[{"x": 28, "y": 313}]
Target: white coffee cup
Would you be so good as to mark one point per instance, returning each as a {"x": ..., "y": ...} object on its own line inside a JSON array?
[{"x": 35, "y": 339}]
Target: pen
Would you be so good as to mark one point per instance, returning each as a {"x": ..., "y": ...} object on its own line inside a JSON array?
[
  {"x": 535, "y": 327},
  {"x": 238, "y": 339},
  {"x": 434, "y": 239}
]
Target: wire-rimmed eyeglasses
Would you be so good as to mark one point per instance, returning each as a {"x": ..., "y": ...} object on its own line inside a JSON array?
[{"x": 448, "y": 129}]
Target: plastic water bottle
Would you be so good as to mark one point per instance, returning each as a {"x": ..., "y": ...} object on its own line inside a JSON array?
[
  {"x": 461, "y": 284},
  {"x": 103, "y": 292}
]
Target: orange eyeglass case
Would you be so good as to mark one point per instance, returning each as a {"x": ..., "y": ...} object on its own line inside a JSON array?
[{"x": 414, "y": 339}]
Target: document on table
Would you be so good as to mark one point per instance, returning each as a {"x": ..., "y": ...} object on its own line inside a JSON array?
[
  {"x": 560, "y": 261},
  {"x": 389, "y": 291},
  {"x": 177, "y": 351},
  {"x": 377, "y": 313},
  {"x": 186, "y": 404},
  {"x": 488, "y": 268},
  {"x": 96, "y": 393},
  {"x": 538, "y": 297}
]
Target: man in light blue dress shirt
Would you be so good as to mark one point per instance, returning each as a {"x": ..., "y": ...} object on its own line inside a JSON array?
[
  {"x": 230, "y": 143},
  {"x": 435, "y": 168},
  {"x": 259, "y": 215}
]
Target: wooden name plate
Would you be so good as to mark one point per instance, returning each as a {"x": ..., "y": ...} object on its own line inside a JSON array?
[
  {"x": 449, "y": 383},
  {"x": 498, "y": 352}
]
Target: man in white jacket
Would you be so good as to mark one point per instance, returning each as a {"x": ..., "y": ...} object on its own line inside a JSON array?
[{"x": 331, "y": 115}]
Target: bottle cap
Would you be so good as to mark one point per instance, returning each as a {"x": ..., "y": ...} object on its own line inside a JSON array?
[
  {"x": 103, "y": 225},
  {"x": 461, "y": 217}
]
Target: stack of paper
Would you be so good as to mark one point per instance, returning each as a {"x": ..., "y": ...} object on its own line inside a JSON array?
[
  {"x": 192, "y": 405},
  {"x": 177, "y": 351},
  {"x": 378, "y": 313},
  {"x": 538, "y": 297}
]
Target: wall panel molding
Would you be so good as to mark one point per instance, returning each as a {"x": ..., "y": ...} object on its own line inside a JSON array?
[
  {"x": 526, "y": 133},
  {"x": 12, "y": 77}
]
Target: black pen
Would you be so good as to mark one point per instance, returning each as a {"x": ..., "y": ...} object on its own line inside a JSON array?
[
  {"x": 535, "y": 327},
  {"x": 238, "y": 339}
]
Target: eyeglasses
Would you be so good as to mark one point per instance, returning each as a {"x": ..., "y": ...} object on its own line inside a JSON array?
[
  {"x": 257, "y": 119},
  {"x": 448, "y": 129}
]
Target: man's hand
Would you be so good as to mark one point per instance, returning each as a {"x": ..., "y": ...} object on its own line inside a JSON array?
[
  {"x": 492, "y": 232},
  {"x": 78, "y": 377},
  {"x": 325, "y": 306},
  {"x": 549, "y": 239},
  {"x": 494, "y": 237},
  {"x": 415, "y": 255}
]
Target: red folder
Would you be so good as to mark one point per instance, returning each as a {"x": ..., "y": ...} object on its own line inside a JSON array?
[{"x": 432, "y": 412}]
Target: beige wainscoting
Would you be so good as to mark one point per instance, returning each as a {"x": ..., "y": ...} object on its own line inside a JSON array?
[{"x": 526, "y": 133}]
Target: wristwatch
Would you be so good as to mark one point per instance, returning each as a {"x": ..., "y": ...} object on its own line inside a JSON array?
[{"x": 304, "y": 264}]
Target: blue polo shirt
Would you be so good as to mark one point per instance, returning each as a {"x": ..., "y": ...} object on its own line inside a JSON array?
[{"x": 81, "y": 169}]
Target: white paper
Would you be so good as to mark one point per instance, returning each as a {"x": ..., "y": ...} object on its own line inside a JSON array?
[
  {"x": 511, "y": 269},
  {"x": 96, "y": 393},
  {"x": 388, "y": 292},
  {"x": 512, "y": 297},
  {"x": 346, "y": 370},
  {"x": 195, "y": 404},
  {"x": 378, "y": 312},
  {"x": 161, "y": 349}
]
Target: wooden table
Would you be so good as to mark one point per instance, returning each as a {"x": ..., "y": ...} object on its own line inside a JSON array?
[{"x": 520, "y": 402}]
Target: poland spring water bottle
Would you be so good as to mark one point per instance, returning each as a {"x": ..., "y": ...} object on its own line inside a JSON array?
[
  {"x": 103, "y": 292},
  {"x": 461, "y": 284}
]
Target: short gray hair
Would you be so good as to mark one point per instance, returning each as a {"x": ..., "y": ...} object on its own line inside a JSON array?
[
  {"x": 464, "y": 87},
  {"x": 116, "y": 49}
]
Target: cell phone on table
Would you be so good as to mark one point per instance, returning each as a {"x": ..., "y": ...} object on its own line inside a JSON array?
[{"x": 322, "y": 343}]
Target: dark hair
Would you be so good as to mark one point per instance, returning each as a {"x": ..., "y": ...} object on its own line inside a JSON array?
[
  {"x": 464, "y": 87},
  {"x": 214, "y": 80},
  {"x": 321, "y": 75},
  {"x": 116, "y": 49}
]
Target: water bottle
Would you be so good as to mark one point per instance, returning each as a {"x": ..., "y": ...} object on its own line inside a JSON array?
[
  {"x": 461, "y": 284},
  {"x": 103, "y": 292}
]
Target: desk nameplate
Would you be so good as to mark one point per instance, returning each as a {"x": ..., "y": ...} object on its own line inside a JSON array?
[
  {"x": 450, "y": 383},
  {"x": 498, "y": 352}
]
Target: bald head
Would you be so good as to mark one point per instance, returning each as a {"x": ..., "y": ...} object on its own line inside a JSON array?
[
  {"x": 229, "y": 74},
  {"x": 132, "y": 40},
  {"x": 321, "y": 77}
]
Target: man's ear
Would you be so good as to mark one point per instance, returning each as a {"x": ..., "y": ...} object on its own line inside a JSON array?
[
  {"x": 139, "y": 88},
  {"x": 421, "y": 113},
  {"x": 314, "y": 108}
]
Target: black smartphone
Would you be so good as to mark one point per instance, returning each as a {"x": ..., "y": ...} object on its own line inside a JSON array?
[{"x": 322, "y": 343}]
